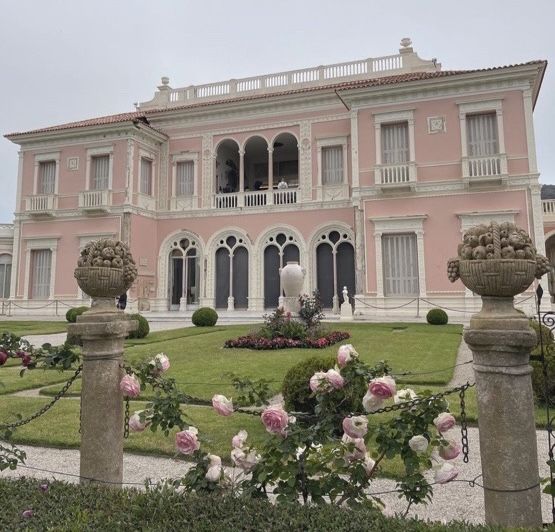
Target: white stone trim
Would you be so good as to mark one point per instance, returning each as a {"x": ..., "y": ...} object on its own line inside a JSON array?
[
  {"x": 470, "y": 219},
  {"x": 530, "y": 135},
  {"x": 45, "y": 157},
  {"x": 355, "y": 176},
  {"x": 32, "y": 243},
  {"x": 99, "y": 151},
  {"x": 402, "y": 224}
]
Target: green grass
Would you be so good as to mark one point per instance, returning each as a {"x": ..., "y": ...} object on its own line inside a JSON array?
[
  {"x": 24, "y": 328},
  {"x": 11, "y": 381},
  {"x": 199, "y": 363}
]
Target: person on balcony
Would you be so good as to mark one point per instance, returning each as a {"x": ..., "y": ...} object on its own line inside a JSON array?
[{"x": 282, "y": 184}]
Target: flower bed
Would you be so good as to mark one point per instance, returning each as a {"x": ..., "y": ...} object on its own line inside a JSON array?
[{"x": 252, "y": 341}]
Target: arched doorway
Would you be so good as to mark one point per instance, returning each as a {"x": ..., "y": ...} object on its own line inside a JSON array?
[
  {"x": 279, "y": 250},
  {"x": 227, "y": 167},
  {"x": 286, "y": 160},
  {"x": 232, "y": 273},
  {"x": 184, "y": 274},
  {"x": 335, "y": 267}
]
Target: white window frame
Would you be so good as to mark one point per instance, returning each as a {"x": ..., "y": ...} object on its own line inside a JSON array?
[
  {"x": 402, "y": 224},
  {"x": 143, "y": 154},
  {"x": 182, "y": 158},
  {"x": 44, "y": 158},
  {"x": 100, "y": 151},
  {"x": 328, "y": 142},
  {"x": 478, "y": 107},
  {"x": 50, "y": 243},
  {"x": 394, "y": 117}
]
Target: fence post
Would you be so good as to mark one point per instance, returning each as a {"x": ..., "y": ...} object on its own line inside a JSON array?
[{"x": 501, "y": 340}]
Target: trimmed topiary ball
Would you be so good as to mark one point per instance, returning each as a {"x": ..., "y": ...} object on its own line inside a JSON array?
[
  {"x": 437, "y": 316},
  {"x": 72, "y": 313},
  {"x": 205, "y": 317},
  {"x": 144, "y": 327}
]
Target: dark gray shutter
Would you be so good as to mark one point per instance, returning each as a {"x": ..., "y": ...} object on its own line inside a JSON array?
[
  {"x": 241, "y": 277},
  {"x": 345, "y": 270},
  {"x": 271, "y": 277},
  {"x": 177, "y": 279},
  {"x": 222, "y": 277},
  {"x": 324, "y": 274}
]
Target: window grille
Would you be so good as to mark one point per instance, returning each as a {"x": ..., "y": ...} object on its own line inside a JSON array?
[
  {"x": 184, "y": 178},
  {"x": 395, "y": 143},
  {"x": 41, "y": 260},
  {"x": 100, "y": 172},
  {"x": 47, "y": 177},
  {"x": 400, "y": 265},
  {"x": 332, "y": 165}
]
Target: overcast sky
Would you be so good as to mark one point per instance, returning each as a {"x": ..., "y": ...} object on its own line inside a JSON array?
[{"x": 65, "y": 60}]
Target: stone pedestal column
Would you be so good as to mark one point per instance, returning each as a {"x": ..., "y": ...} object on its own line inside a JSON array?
[
  {"x": 103, "y": 330},
  {"x": 501, "y": 339}
]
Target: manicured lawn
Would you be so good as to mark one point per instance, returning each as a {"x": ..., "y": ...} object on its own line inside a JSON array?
[
  {"x": 11, "y": 382},
  {"x": 24, "y": 328},
  {"x": 199, "y": 363}
]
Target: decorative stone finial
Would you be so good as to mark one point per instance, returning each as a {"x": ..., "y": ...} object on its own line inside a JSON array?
[
  {"x": 105, "y": 269},
  {"x": 406, "y": 42},
  {"x": 497, "y": 260},
  {"x": 165, "y": 80}
]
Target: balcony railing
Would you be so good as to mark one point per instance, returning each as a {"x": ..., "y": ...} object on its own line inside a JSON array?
[
  {"x": 395, "y": 174},
  {"x": 549, "y": 209},
  {"x": 484, "y": 167},
  {"x": 41, "y": 204},
  {"x": 405, "y": 61},
  {"x": 253, "y": 199},
  {"x": 95, "y": 200}
]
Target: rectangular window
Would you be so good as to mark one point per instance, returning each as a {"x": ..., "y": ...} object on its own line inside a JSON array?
[
  {"x": 185, "y": 178},
  {"x": 400, "y": 265},
  {"x": 395, "y": 143},
  {"x": 41, "y": 263},
  {"x": 332, "y": 165},
  {"x": 5, "y": 276},
  {"x": 47, "y": 177},
  {"x": 100, "y": 172},
  {"x": 146, "y": 176},
  {"x": 482, "y": 135}
]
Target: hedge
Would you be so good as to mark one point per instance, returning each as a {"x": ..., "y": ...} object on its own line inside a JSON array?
[
  {"x": 71, "y": 507},
  {"x": 204, "y": 317},
  {"x": 143, "y": 329}
]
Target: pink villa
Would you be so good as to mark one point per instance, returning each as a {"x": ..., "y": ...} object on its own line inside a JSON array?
[{"x": 365, "y": 172}]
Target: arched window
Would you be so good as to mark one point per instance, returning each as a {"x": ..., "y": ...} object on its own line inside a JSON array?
[
  {"x": 280, "y": 249},
  {"x": 286, "y": 160},
  {"x": 184, "y": 273},
  {"x": 5, "y": 275},
  {"x": 335, "y": 267},
  {"x": 256, "y": 167},
  {"x": 227, "y": 167},
  {"x": 232, "y": 273}
]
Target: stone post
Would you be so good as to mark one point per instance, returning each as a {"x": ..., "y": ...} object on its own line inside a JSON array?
[
  {"x": 501, "y": 339},
  {"x": 102, "y": 331}
]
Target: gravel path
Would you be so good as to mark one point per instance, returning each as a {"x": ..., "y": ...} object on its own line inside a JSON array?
[{"x": 465, "y": 373}]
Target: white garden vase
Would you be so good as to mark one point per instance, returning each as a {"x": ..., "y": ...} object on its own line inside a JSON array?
[{"x": 292, "y": 279}]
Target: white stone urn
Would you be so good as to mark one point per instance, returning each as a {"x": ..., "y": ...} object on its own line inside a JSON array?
[{"x": 292, "y": 279}]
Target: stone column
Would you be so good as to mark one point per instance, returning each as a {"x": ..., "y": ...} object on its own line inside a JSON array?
[
  {"x": 501, "y": 339},
  {"x": 102, "y": 330}
]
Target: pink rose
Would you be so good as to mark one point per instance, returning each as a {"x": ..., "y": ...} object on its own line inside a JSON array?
[
  {"x": 316, "y": 381},
  {"x": 135, "y": 423},
  {"x": 359, "y": 449},
  {"x": 450, "y": 451},
  {"x": 187, "y": 441},
  {"x": 214, "y": 472},
  {"x": 239, "y": 439},
  {"x": 27, "y": 514},
  {"x": 382, "y": 387},
  {"x": 345, "y": 354},
  {"x": 222, "y": 405},
  {"x": 275, "y": 419},
  {"x": 245, "y": 460},
  {"x": 445, "y": 473},
  {"x": 160, "y": 363},
  {"x": 371, "y": 402},
  {"x": 44, "y": 487},
  {"x": 356, "y": 426},
  {"x": 444, "y": 422},
  {"x": 130, "y": 386},
  {"x": 335, "y": 379}
]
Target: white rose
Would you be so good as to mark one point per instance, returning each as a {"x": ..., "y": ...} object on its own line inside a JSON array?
[{"x": 418, "y": 444}]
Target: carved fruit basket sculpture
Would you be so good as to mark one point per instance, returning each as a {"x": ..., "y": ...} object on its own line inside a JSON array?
[
  {"x": 497, "y": 260},
  {"x": 105, "y": 268}
]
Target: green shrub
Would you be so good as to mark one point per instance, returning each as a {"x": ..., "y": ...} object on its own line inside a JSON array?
[
  {"x": 437, "y": 316},
  {"x": 69, "y": 507},
  {"x": 72, "y": 313},
  {"x": 143, "y": 329},
  {"x": 297, "y": 394},
  {"x": 205, "y": 317},
  {"x": 538, "y": 378},
  {"x": 293, "y": 329}
]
